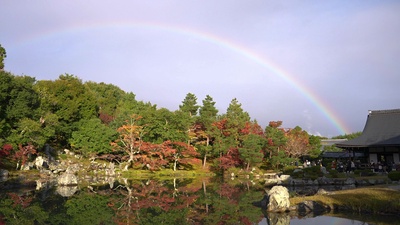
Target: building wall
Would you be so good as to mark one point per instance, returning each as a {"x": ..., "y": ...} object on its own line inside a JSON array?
[
  {"x": 396, "y": 158},
  {"x": 373, "y": 157}
]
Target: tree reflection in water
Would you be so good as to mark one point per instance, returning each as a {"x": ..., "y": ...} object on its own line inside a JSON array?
[{"x": 175, "y": 201}]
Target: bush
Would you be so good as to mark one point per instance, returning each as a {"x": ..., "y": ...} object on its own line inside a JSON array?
[
  {"x": 313, "y": 172},
  {"x": 333, "y": 173},
  {"x": 364, "y": 173},
  {"x": 296, "y": 175},
  {"x": 289, "y": 169},
  {"x": 394, "y": 175}
]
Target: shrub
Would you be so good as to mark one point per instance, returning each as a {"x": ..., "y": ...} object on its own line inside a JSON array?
[
  {"x": 298, "y": 174},
  {"x": 313, "y": 172},
  {"x": 394, "y": 175},
  {"x": 333, "y": 173},
  {"x": 289, "y": 169},
  {"x": 364, "y": 173}
]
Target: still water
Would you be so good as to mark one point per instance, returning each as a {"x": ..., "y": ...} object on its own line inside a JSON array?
[{"x": 171, "y": 201}]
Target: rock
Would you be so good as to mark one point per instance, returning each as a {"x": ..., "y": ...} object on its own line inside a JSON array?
[
  {"x": 3, "y": 175},
  {"x": 278, "y": 218},
  {"x": 263, "y": 203},
  {"x": 39, "y": 162},
  {"x": 72, "y": 168},
  {"x": 312, "y": 206},
  {"x": 322, "y": 191},
  {"x": 110, "y": 171},
  {"x": 67, "y": 179},
  {"x": 297, "y": 171},
  {"x": 66, "y": 191},
  {"x": 278, "y": 199},
  {"x": 350, "y": 181}
]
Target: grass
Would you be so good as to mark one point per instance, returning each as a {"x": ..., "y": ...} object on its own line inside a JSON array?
[{"x": 375, "y": 200}]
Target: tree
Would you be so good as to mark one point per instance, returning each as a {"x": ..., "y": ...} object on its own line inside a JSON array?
[
  {"x": 178, "y": 152},
  {"x": 348, "y": 136},
  {"x": 3, "y": 56},
  {"x": 23, "y": 100},
  {"x": 236, "y": 119},
  {"x": 18, "y": 100},
  {"x": 208, "y": 112},
  {"x": 297, "y": 143},
  {"x": 276, "y": 138},
  {"x": 189, "y": 105},
  {"x": 208, "y": 115},
  {"x": 22, "y": 155},
  {"x": 314, "y": 145},
  {"x": 251, "y": 150},
  {"x": 29, "y": 131},
  {"x": 70, "y": 100},
  {"x": 92, "y": 137},
  {"x": 107, "y": 97},
  {"x": 130, "y": 138}
]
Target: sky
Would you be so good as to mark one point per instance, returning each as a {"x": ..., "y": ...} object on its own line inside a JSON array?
[{"x": 320, "y": 65}]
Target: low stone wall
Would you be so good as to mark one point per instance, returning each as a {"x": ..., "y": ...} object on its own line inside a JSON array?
[{"x": 286, "y": 180}]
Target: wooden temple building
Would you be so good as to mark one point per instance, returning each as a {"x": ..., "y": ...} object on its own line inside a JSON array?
[{"x": 380, "y": 139}]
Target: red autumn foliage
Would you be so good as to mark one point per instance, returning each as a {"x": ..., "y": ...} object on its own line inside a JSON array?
[
  {"x": 252, "y": 128},
  {"x": 221, "y": 125},
  {"x": 275, "y": 124},
  {"x": 105, "y": 118},
  {"x": 23, "y": 201},
  {"x": 230, "y": 159},
  {"x": 179, "y": 152},
  {"x": 6, "y": 150},
  {"x": 23, "y": 153}
]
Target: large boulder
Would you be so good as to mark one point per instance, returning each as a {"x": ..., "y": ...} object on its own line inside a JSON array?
[
  {"x": 313, "y": 207},
  {"x": 278, "y": 218},
  {"x": 67, "y": 179},
  {"x": 3, "y": 175},
  {"x": 278, "y": 199},
  {"x": 66, "y": 191}
]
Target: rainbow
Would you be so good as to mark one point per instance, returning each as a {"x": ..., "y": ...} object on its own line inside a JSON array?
[{"x": 225, "y": 43}]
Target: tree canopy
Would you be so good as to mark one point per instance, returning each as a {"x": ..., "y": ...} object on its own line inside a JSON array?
[{"x": 97, "y": 118}]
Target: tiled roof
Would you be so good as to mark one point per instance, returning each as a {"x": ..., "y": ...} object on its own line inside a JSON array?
[{"x": 381, "y": 129}]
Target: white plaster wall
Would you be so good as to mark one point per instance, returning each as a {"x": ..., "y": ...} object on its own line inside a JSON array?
[
  {"x": 396, "y": 158},
  {"x": 373, "y": 158}
]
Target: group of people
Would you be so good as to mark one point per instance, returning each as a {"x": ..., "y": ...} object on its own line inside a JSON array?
[
  {"x": 382, "y": 166},
  {"x": 340, "y": 166}
]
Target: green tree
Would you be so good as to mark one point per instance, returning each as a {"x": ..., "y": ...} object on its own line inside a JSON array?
[
  {"x": 6, "y": 80},
  {"x": 276, "y": 140},
  {"x": 89, "y": 208},
  {"x": 207, "y": 116},
  {"x": 251, "y": 150},
  {"x": 92, "y": 137},
  {"x": 236, "y": 119},
  {"x": 315, "y": 146},
  {"x": 28, "y": 131},
  {"x": 208, "y": 112},
  {"x": 70, "y": 100},
  {"x": 348, "y": 136},
  {"x": 23, "y": 100},
  {"x": 3, "y": 56},
  {"x": 189, "y": 105},
  {"x": 107, "y": 96},
  {"x": 18, "y": 101}
]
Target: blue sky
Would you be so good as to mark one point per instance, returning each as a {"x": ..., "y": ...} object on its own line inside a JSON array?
[{"x": 320, "y": 65}]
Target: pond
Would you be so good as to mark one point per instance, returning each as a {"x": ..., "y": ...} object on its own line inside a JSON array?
[{"x": 170, "y": 201}]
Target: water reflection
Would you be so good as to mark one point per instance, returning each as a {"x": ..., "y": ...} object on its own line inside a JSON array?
[{"x": 123, "y": 201}]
